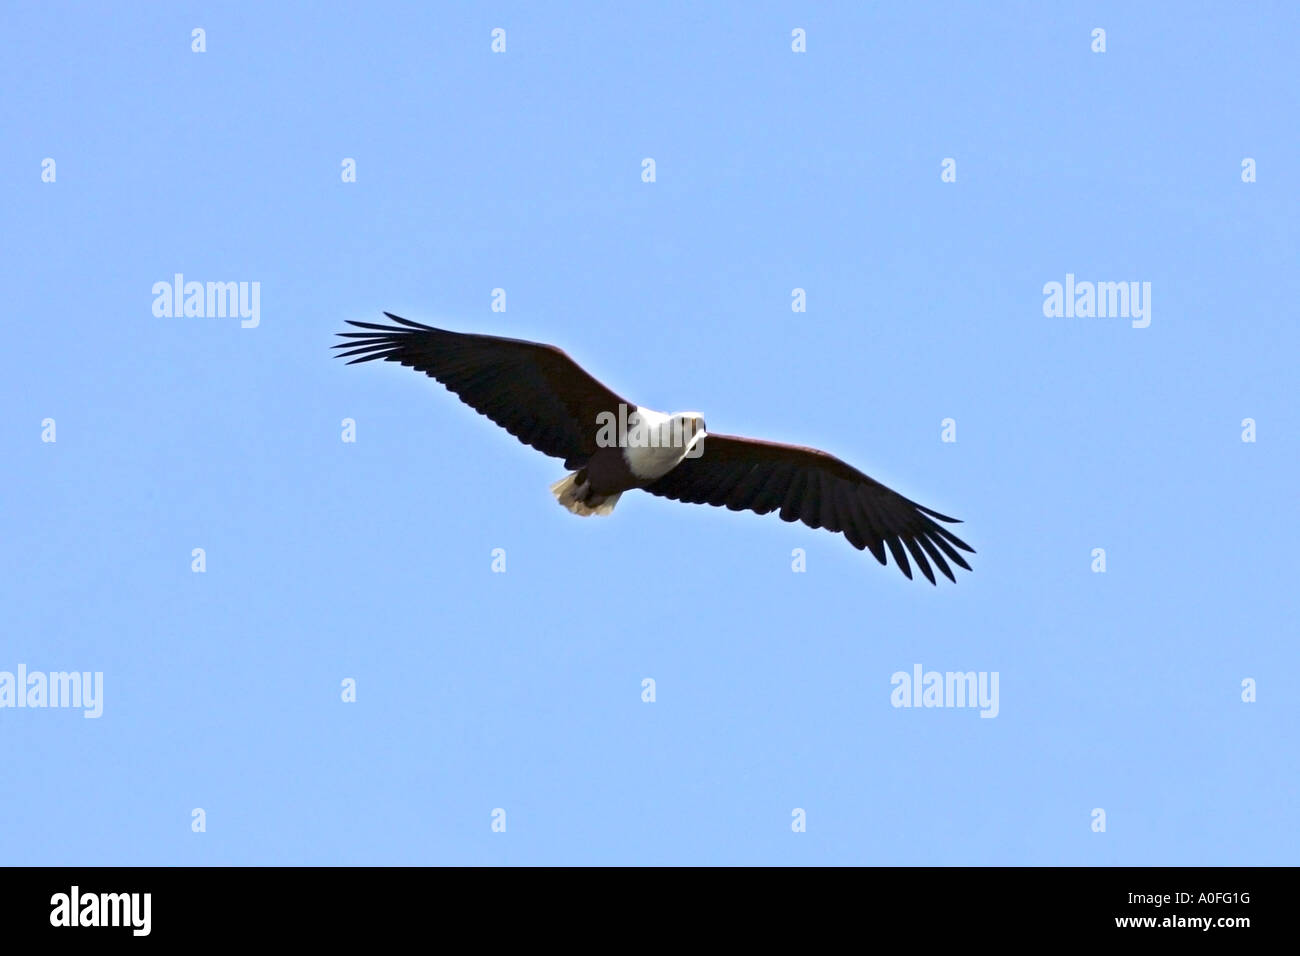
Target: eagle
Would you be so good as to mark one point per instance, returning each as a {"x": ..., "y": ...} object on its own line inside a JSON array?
[{"x": 540, "y": 395}]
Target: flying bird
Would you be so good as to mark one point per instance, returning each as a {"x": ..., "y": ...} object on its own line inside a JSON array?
[{"x": 546, "y": 400}]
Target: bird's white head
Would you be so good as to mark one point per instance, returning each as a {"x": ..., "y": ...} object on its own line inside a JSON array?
[
  {"x": 657, "y": 443},
  {"x": 691, "y": 428}
]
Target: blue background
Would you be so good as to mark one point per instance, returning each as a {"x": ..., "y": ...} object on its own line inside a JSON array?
[{"x": 522, "y": 690}]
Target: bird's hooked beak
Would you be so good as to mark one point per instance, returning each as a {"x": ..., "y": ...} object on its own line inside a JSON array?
[{"x": 695, "y": 446}]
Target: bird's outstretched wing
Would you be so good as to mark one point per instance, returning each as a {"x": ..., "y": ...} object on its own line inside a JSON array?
[
  {"x": 534, "y": 391},
  {"x": 821, "y": 491}
]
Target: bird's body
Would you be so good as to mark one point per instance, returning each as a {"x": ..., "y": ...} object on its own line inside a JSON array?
[
  {"x": 546, "y": 400},
  {"x": 654, "y": 444}
]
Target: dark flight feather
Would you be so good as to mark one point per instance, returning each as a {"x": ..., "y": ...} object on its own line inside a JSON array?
[
  {"x": 821, "y": 491},
  {"x": 534, "y": 391}
]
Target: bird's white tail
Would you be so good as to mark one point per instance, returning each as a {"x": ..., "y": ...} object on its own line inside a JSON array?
[{"x": 577, "y": 497}]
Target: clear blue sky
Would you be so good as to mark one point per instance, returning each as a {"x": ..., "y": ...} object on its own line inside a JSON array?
[{"x": 775, "y": 171}]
